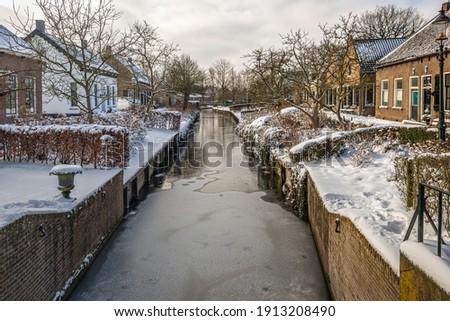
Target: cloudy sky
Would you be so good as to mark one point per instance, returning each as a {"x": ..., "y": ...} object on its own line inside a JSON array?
[{"x": 211, "y": 29}]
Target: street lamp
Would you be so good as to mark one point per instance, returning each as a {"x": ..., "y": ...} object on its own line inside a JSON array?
[{"x": 441, "y": 22}]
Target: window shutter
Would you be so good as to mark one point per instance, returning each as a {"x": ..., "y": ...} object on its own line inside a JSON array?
[{"x": 436, "y": 92}]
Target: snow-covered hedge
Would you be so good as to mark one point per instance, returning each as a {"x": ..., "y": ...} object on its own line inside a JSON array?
[
  {"x": 331, "y": 144},
  {"x": 264, "y": 137},
  {"x": 134, "y": 120},
  {"x": 432, "y": 169},
  {"x": 74, "y": 144},
  {"x": 164, "y": 119}
]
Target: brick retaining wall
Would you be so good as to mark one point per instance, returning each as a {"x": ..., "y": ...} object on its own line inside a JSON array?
[
  {"x": 353, "y": 268},
  {"x": 36, "y": 263}
]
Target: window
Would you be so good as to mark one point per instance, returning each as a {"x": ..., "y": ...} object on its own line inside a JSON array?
[
  {"x": 113, "y": 95},
  {"x": 350, "y": 96},
  {"x": 356, "y": 97},
  {"x": 398, "y": 93},
  {"x": 384, "y": 93},
  {"x": 11, "y": 96},
  {"x": 73, "y": 95},
  {"x": 447, "y": 91},
  {"x": 108, "y": 96},
  {"x": 95, "y": 95},
  {"x": 30, "y": 100},
  {"x": 349, "y": 69},
  {"x": 426, "y": 95}
]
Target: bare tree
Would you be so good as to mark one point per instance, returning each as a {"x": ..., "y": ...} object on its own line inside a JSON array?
[
  {"x": 78, "y": 39},
  {"x": 388, "y": 21},
  {"x": 222, "y": 69},
  {"x": 185, "y": 76},
  {"x": 152, "y": 55},
  {"x": 337, "y": 42},
  {"x": 266, "y": 67},
  {"x": 308, "y": 70}
]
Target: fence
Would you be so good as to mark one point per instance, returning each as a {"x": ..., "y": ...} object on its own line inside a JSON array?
[{"x": 422, "y": 211}]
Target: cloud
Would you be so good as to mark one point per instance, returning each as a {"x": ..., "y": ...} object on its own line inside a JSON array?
[{"x": 212, "y": 29}]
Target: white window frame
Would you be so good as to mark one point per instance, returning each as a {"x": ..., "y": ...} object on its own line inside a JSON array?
[
  {"x": 411, "y": 89},
  {"x": 422, "y": 88},
  {"x": 382, "y": 92},
  {"x": 396, "y": 94},
  {"x": 31, "y": 110},
  {"x": 16, "y": 96}
]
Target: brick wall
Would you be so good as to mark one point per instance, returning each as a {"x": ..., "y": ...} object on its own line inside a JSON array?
[
  {"x": 416, "y": 285},
  {"x": 34, "y": 265},
  {"x": 427, "y": 66},
  {"x": 22, "y": 67},
  {"x": 353, "y": 268}
]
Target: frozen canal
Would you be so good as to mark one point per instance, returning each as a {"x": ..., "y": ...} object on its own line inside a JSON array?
[{"x": 210, "y": 233}]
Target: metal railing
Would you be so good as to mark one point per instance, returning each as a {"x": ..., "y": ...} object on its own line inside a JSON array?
[{"x": 422, "y": 211}]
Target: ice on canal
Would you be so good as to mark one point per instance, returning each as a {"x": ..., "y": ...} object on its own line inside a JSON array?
[{"x": 210, "y": 235}]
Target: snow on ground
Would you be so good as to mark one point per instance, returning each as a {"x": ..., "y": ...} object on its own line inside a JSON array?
[
  {"x": 368, "y": 198},
  {"x": 29, "y": 189},
  {"x": 144, "y": 151}
]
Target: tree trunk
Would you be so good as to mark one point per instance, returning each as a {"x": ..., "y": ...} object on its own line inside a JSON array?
[{"x": 185, "y": 101}]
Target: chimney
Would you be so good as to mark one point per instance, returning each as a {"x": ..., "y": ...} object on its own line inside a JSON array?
[
  {"x": 446, "y": 6},
  {"x": 40, "y": 25}
]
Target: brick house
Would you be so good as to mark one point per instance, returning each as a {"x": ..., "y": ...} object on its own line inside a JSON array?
[
  {"x": 357, "y": 88},
  {"x": 20, "y": 78},
  {"x": 133, "y": 86},
  {"x": 407, "y": 78}
]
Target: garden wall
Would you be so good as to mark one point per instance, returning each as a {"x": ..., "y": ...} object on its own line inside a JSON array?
[
  {"x": 41, "y": 252},
  {"x": 416, "y": 284},
  {"x": 353, "y": 268}
]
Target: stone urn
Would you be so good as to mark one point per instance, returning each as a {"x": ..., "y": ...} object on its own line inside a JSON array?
[{"x": 66, "y": 176}]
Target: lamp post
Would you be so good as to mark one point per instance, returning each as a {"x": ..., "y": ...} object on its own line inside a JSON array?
[{"x": 441, "y": 22}]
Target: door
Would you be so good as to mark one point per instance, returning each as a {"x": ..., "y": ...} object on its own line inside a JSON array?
[{"x": 415, "y": 104}]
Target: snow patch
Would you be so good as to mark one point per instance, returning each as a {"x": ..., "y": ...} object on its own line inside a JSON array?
[{"x": 66, "y": 169}]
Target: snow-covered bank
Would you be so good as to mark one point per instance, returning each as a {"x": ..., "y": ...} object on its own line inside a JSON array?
[{"x": 358, "y": 173}]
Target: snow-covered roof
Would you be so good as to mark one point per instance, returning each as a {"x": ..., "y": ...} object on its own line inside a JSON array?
[
  {"x": 135, "y": 70},
  {"x": 94, "y": 61},
  {"x": 371, "y": 50},
  {"x": 11, "y": 43},
  {"x": 420, "y": 44}
]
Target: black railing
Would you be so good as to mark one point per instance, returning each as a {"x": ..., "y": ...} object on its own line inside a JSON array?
[{"x": 422, "y": 211}]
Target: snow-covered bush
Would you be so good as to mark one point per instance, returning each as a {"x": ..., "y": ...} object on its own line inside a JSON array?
[{"x": 299, "y": 192}]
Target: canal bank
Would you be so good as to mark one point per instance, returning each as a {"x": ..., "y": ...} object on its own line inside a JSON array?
[
  {"x": 49, "y": 242},
  {"x": 209, "y": 233},
  {"x": 357, "y": 265}
]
